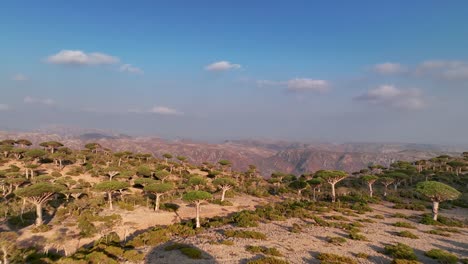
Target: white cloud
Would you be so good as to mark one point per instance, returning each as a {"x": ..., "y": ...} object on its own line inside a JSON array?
[
  {"x": 299, "y": 85},
  {"x": 163, "y": 110},
  {"x": 131, "y": 69},
  {"x": 78, "y": 57},
  {"x": 43, "y": 101},
  {"x": 222, "y": 66},
  {"x": 19, "y": 77},
  {"x": 4, "y": 107},
  {"x": 304, "y": 85},
  {"x": 389, "y": 95},
  {"x": 388, "y": 68},
  {"x": 449, "y": 70},
  {"x": 265, "y": 83}
]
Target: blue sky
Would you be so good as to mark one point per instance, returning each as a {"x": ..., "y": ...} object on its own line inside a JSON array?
[{"x": 299, "y": 70}]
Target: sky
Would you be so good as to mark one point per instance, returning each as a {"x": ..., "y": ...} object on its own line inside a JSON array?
[{"x": 341, "y": 71}]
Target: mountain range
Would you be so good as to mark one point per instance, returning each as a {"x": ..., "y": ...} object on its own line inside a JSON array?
[{"x": 267, "y": 155}]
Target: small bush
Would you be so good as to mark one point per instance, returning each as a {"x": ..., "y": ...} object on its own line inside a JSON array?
[
  {"x": 442, "y": 256},
  {"x": 133, "y": 256},
  {"x": 223, "y": 203},
  {"x": 441, "y": 220},
  {"x": 410, "y": 206},
  {"x": 357, "y": 236},
  {"x": 362, "y": 255},
  {"x": 407, "y": 234},
  {"x": 366, "y": 220},
  {"x": 295, "y": 228},
  {"x": 126, "y": 206},
  {"x": 41, "y": 229},
  {"x": 185, "y": 249},
  {"x": 339, "y": 218},
  {"x": 378, "y": 216},
  {"x": 405, "y": 261},
  {"x": 245, "y": 234},
  {"x": 448, "y": 229},
  {"x": 335, "y": 259},
  {"x": 245, "y": 219},
  {"x": 404, "y": 224},
  {"x": 400, "y": 215},
  {"x": 191, "y": 252},
  {"x": 339, "y": 241},
  {"x": 361, "y": 208},
  {"x": 267, "y": 260},
  {"x": 438, "y": 232},
  {"x": 265, "y": 250},
  {"x": 400, "y": 251}
]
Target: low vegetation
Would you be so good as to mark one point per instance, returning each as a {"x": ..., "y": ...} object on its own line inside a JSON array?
[{"x": 58, "y": 195}]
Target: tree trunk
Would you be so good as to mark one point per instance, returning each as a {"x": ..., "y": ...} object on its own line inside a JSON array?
[
  {"x": 5, "y": 254},
  {"x": 156, "y": 206},
  {"x": 39, "y": 214},
  {"x": 385, "y": 191},
  {"x": 333, "y": 192},
  {"x": 435, "y": 209},
  {"x": 197, "y": 217},
  {"x": 371, "y": 192},
  {"x": 109, "y": 197},
  {"x": 223, "y": 194},
  {"x": 314, "y": 197}
]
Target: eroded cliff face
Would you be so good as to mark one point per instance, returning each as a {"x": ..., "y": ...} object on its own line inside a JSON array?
[{"x": 268, "y": 156}]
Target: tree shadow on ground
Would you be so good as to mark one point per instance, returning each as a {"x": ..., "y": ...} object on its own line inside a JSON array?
[{"x": 176, "y": 251}]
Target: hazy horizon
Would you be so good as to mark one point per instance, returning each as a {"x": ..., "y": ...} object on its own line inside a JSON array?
[{"x": 300, "y": 71}]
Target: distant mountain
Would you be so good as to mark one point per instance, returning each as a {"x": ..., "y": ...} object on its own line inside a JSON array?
[{"x": 267, "y": 155}]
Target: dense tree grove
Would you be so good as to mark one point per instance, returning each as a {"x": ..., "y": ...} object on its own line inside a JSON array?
[{"x": 44, "y": 185}]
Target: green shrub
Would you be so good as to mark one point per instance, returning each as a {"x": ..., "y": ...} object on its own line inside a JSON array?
[
  {"x": 410, "y": 206},
  {"x": 441, "y": 220},
  {"x": 329, "y": 258},
  {"x": 339, "y": 218},
  {"x": 404, "y": 224},
  {"x": 245, "y": 234},
  {"x": 295, "y": 228},
  {"x": 126, "y": 206},
  {"x": 362, "y": 255},
  {"x": 400, "y": 251},
  {"x": 400, "y": 215},
  {"x": 438, "y": 232},
  {"x": 97, "y": 257},
  {"x": 378, "y": 216},
  {"x": 265, "y": 250},
  {"x": 133, "y": 256},
  {"x": 267, "y": 260},
  {"x": 183, "y": 230},
  {"x": 191, "y": 252},
  {"x": 41, "y": 229},
  {"x": 245, "y": 219},
  {"x": 405, "y": 261},
  {"x": 222, "y": 242},
  {"x": 222, "y": 203},
  {"x": 338, "y": 241},
  {"x": 448, "y": 229},
  {"x": 113, "y": 250},
  {"x": 366, "y": 220},
  {"x": 442, "y": 256},
  {"x": 185, "y": 249},
  {"x": 407, "y": 234},
  {"x": 361, "y": 208},
  {"x": 357, "y": 236}
]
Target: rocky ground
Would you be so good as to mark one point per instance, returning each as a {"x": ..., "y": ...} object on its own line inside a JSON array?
[{"x": 304, "y": 246}]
